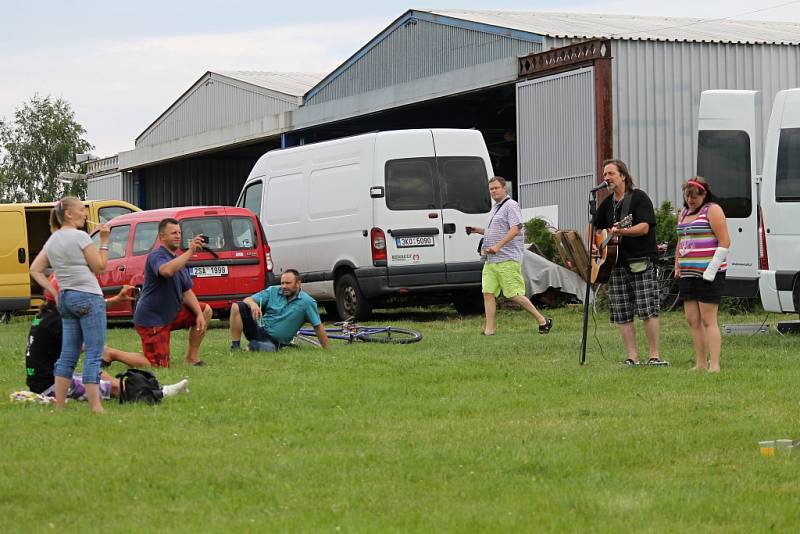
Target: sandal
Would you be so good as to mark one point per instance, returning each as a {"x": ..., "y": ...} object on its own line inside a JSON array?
[
  {"x": 630, "y": 362},
  {"x": 656, "y": 361},
  {"x": 546, "y": 327}
]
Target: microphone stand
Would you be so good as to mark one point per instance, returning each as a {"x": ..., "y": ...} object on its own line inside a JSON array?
[{"x": 592, "y": 211}]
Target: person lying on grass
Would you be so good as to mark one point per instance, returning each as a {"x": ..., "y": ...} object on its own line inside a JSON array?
[
  {"x": 44, "y": 348},
  {"x": 271, "y": 317}
]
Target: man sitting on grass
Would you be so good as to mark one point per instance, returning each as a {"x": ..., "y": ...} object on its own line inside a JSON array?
[{"x": 271, "y": 317}]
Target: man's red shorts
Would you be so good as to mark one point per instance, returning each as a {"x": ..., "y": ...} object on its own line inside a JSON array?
[{"x": 155, "y": 339}]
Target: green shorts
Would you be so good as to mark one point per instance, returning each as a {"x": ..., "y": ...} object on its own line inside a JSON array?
[{"x": 505, "y": 276}]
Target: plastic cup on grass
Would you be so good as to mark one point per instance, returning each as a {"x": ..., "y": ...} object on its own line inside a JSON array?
[
  {"x": 767, "y": 448},
  {"x": 783, "y": 446}
]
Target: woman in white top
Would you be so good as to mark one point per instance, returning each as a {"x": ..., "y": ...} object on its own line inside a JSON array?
[{"x": 76, "y": 260}]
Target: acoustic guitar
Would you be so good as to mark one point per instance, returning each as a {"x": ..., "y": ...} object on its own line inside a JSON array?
[{"x": 607, "y": 247}]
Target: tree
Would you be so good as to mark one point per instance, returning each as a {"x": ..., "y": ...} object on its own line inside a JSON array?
[{"x": 40, "y": 143}]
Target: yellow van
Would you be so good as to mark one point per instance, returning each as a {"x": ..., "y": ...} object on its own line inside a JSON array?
[{"x": 24, "y": 228}]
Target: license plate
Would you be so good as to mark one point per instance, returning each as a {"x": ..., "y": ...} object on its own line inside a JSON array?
[
  {"x": 209, "y": 270},
  {"x": 415, "y": 241}
]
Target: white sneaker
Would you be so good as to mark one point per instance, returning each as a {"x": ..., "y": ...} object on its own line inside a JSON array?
[{"x": 173, "y": 389}]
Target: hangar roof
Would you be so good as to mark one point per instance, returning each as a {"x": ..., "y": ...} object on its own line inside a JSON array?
[
  {"x": 290, "y": 83},
  {"x": 634, "y": 27}
]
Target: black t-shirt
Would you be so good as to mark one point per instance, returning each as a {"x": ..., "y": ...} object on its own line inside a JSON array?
[
  {"x": 44, "y": 348},
  {"x": 641, "y": 208}
]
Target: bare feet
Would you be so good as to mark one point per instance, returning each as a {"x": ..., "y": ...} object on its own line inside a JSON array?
[
  {"x": 698, "y": 368},
  {"x": 713, "y": 369}
]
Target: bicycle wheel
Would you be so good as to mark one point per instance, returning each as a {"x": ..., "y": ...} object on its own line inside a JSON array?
[
  {"x": 667, "y": 288},
  {"x": 388, "y": 334}
]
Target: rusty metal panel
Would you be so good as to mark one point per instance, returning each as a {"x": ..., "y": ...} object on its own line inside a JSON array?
[
  {"x": 656, "y": 96},
  {"x": 417, "y": 50},
  {"x": 566, "y": 57},
  {"x": 556, "y": 143}
]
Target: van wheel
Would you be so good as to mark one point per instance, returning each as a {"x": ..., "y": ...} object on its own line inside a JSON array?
[
  {"x": 796, "y": 296},
  {"x": 331, "y": 310},
  {"x": 350, "y": 301}
]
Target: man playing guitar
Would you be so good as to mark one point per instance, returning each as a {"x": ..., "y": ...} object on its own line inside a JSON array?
[{"x": 633, "y": 283}]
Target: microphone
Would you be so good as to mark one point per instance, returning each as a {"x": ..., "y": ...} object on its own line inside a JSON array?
[{"x": 600, "y": 187}]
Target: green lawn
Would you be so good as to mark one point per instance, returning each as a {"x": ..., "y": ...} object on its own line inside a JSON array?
[{"x": 459, "y": 432}]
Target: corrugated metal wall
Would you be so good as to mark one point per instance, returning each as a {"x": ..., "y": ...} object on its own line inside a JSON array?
[
  {"x": 656, "y": 95},
  {"x": 420, "y": 50},
  {"x": 195, "y": 182},
  {"x": 216, "y": 103},
  {"x": 556, "y": 144},
  {"x": 116, "y": 186}
]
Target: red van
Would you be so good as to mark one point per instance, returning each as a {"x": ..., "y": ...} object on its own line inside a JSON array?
[{"x": 235, "y": 264}]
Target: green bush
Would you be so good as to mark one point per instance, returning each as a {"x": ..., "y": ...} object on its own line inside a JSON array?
[
  {"x": 666, "y": 223},
  {"x": 537, "y": 232}
]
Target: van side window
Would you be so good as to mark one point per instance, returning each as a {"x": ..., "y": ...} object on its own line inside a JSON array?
[
  {"x": 244, "y": 233},
  {"x": 411, "y": 184},
  {"x": 252, "y": 198},
  {"x": 464, "y": 184},
  {"x": 787, "y": 174},
  {"x": 109, "y": 212},
  {"x": 723, "y": 158},
  {"x": 144, "y": 237}
]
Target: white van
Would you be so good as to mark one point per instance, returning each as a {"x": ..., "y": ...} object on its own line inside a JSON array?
[
  {"x": 370, "y": 218},
  {"x": 762, "y": 211}
]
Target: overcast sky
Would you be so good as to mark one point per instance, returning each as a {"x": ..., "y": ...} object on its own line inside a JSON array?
[{"x": 121, "y": 64}]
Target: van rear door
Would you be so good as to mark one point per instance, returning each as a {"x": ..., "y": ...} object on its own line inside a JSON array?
[
  {"x": 464, "y": 170},
  {"x": 409, "y": 212},
  {"x": 780, "y": 203},
  {"x": 728, "y": 137},
  {"x": 15, "y": 282}
]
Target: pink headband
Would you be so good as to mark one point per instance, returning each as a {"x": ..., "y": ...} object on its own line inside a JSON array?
[{"x": 696, "y": 184}]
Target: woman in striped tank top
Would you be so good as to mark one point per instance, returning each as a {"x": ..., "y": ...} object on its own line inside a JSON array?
[{"x": 703, "y": 243}]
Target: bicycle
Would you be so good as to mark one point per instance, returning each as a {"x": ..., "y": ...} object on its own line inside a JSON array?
[
  {"x": 667, "y": 284},
  {"x": 351, "y": 332}
]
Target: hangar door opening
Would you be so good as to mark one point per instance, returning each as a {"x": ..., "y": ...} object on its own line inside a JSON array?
[{"x": 556, "y": 150}]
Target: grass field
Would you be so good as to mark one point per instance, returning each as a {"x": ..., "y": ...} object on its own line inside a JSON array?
[{"x": 459, "y": 432}]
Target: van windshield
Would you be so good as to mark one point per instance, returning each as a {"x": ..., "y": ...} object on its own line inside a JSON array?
[
  {"x": 223, "y": 233},
  {"x": 723, "y": 158},
  {"x": 787, "y": 174},
  {"x": 457, "y": 182}
]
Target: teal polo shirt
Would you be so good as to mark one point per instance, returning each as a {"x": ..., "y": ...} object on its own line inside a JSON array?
[{"x": 283, "y": 318}]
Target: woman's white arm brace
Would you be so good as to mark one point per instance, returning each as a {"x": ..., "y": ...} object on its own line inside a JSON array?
[{"x": 716, "y": 261}]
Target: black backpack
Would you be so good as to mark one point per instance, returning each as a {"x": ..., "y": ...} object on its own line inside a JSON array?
[{"x": 136, "y": 385}]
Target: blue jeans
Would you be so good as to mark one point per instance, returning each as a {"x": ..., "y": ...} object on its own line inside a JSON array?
[
  {"x": 83, "y": 321},
  {"x": 263, "y": 345}
]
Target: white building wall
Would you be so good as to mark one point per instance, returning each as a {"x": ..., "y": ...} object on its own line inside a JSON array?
[
  {"x": 115, "y": 186},
  {"x": 656, "y": 95},
  {"x": 556, "y": 143}
]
